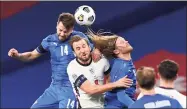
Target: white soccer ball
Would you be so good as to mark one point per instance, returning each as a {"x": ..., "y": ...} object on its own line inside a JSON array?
[{"x": 84, "y": 15}]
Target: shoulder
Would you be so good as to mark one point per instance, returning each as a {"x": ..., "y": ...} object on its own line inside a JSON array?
[
  {"x": 72, "y": 63},
  {"x": 166, "y": 97},
  {"x": 157, "y": 89},
  {"x": 103, "y": 60},
  {"x": 51, "y": 37},
  {"x": 180, "y": 94},
  {"x": 78, "y": 33},
  {"x": 136, "y": 104},
  {"x": 72, "y": 66}
]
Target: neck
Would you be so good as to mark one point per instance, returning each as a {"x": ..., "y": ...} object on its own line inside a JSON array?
[
  {"x": 167, "y": 84},
  {"x": 85, "y": 62},
  {"x": 126, "y": 56},
  {"x": 148, "y": 92}
]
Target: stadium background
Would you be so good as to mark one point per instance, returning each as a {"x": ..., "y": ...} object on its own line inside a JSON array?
[{"x": 156, "y": 30}]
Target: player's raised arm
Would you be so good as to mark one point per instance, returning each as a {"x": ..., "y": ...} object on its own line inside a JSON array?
[
  {"x": 31, "y": 55},
  {"x": 25, "y": 56}
]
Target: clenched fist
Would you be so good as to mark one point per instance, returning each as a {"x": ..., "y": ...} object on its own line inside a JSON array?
[{"x": 13, "y": 53}]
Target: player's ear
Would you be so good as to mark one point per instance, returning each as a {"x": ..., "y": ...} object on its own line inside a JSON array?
[
  {"x": 70, "y": 30},
  {"x": 116, "y": 52},
  {"x": 89, "y": 48},
  {"x": 137, "y": 85},
  {"x": 176, "y": 77},
  {"x": 158, "y": 75},
  {"x": 155, "y": 81},
  {"x": 56, "y": 24}
]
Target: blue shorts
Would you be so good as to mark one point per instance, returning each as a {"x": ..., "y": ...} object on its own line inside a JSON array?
[{"x": 56, "y": 97}]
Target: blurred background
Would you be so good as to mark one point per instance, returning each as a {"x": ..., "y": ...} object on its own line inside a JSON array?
[{"x": 156, "y": 30}]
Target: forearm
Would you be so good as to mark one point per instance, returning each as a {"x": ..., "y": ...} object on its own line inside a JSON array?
[
  {"x": 124, "y": 98},
  {"x": 96, "y": 89},
  {"x": 25, "y": 57}
]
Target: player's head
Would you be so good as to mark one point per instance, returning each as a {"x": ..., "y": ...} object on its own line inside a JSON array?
[
  {"x": 168, "y": 70},
  {"x": 65, "y": 24},
  {"x": 146, "y": 78},
  {"x": 81, "y": 48},
  {"x": 110, "y": 45}
]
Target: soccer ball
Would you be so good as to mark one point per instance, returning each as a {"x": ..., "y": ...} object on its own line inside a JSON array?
[{"x": 84, "y": 15}]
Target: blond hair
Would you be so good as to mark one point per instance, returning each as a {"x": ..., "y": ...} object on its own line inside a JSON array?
[{"x": 104, "y": 41}]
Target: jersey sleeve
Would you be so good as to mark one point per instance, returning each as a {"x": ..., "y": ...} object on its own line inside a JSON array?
[
  {"x": 76, "y": 78},
  {"x": 44, "y": 46},
  {"x": 124, "y": 98}
]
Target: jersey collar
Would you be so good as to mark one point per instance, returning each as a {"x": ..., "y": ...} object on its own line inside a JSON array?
[
  {"x": 165, "y": 87},
  {"x": 84, "y": 64}
]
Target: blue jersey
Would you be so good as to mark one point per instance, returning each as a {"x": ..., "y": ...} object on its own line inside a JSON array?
[
  {"x": 120, "y": 69},
  {"x": 122, "y": 97},
  {"x": 61, "y": 54},
  {"x": 156, "y": 101}
]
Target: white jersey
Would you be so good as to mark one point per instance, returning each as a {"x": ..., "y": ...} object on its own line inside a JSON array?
[
  {"x": 94, "y": 72},
  {"x": 172, "y": 93}
]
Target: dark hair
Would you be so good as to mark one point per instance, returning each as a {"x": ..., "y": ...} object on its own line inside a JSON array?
[
  {"x": 76, "y": 38},
  {"x": 67, "y": 19},
  {"x": 168, "y": 69},
  {"x": 146, "y": 77}
]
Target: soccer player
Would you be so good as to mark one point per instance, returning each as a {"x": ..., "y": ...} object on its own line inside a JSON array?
[
  {"x": 60, "y": 92},
  {"x": 167, "y": 72},
  {"x": 87, "y": 76},
  {"x": 146, "y": 81},
  {"x": 116, "y": 47}
]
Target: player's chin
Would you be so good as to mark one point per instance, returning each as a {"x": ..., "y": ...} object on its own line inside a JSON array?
[
  {"x": 62, "y": 38},
  {"x": 130, "y": 48},
  {"x": 85, "y": 58}
]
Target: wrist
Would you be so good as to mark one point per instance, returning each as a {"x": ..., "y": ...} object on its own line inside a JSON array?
[
  {"x": 114, "y": 84},
  {"x": 19, "y": 55}
]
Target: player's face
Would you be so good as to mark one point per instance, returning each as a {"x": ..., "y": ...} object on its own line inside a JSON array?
[
  {"x": 82, "y": 50},
  {"x": 123, "y": 46},
  {"x": 62, "y": 32}
]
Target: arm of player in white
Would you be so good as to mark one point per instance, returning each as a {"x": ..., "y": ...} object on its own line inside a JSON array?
[{"x": 79, "y": 80}]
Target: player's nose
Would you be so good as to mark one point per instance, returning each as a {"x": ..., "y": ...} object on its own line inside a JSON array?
[
  {"x": 82, "y": 50},
  {"x": 61, "y": 33}
]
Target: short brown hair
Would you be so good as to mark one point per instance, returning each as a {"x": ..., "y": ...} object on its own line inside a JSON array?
[
  {"x": 76, "y": 38},
  {"x": 104, "y": 42},
  {"x": 168, "y": 69},
  {"x": 145, "y": 77},
  {"x": 67, "y": 19}
]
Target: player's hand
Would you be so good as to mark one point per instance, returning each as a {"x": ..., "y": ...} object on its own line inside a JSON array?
[
  {"x": 124, "y": 82},
  {"x": 96, "y": 55},
  {"x": 13, "y": 53}
]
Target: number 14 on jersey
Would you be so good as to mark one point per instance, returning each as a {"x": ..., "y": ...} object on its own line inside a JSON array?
[{"x": 64, "y": 50}]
